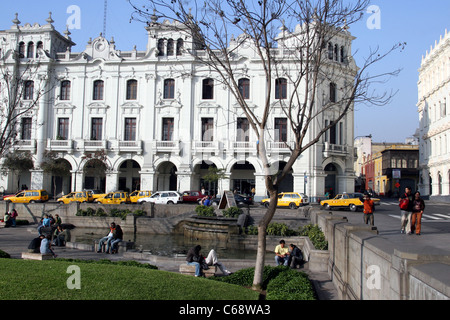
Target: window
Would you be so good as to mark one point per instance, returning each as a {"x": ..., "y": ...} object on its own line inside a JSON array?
[
  {"x": 333, "y": 135},
  {"x": 97, "y": 129},
  {"x": 167, "y": 129},
  {"x": 281, "y": 88},
  {"x": 131, "y": 89},
  {"x": 330, "y": 51},
  {"x": 336, "y": 52},
  {"x": 170, "y": 47},
  {"x": 21, "y": 50},
  {"x": 28, "y": 90},
  {"x": 332, "y": 92},
  {"x": 280, "y": 129},
  {"x": 244, "y": 88},
  {"x": 30, "y": 50},
  {"x": 64, "y": 93},
  {"x": 39, "y": 46},
  {"x": 180, "y": 47},
  {"x": 130, "y": 129},
  {"x": 63, "y": 129},
  {"x": 169, "y": 89},
  {"x": 342, "y": 54},
  {"x": 161, "y": 47},
  {"x": 26, "y": 129},
  {"x": 243, "y": 132},
  {"x": 207, "y": 129},
  {"x": 98, "y": 90},
  {"x": 208, "y": 89}
]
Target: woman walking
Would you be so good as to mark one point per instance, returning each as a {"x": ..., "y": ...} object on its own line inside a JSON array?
[{"x": 417, "y": 211}]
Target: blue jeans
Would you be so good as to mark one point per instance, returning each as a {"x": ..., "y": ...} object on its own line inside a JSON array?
[
  {"x": 114, "y": 243},
  {"x": 198, "y": 270},
  {"x": 102, "y": 241},
  {"x": 280, "y": 260}
]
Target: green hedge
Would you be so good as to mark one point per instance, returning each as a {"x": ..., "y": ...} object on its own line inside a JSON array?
[
  {"x": 280, "y": 283},
  {"x": 205, "y": 211},
  {"x": 100, "y": 212}
]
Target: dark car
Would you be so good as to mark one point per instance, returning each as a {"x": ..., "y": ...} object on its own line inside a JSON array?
[
  {"x": 240, "y": 199},
  {"x": 192, "y": 196}
]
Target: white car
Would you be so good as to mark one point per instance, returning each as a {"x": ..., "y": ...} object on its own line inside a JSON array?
[{"x": 163, "y": 197}]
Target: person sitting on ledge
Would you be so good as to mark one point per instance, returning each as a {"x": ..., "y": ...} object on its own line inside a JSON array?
[{"x": 282, "y": 254}]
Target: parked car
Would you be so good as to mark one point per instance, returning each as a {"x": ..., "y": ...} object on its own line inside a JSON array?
[
  {"x": 351, "y": 201},
  {"x": 77, "y": 196},
  {"x": 138, "y": 194},
  {"x": 163, "y": 197},
  {"x": 117, "y": 197},
  {"x": 29, "y": 196},
  {"x": 292, "y": 200},
  {"x": 240, "y": 199},
  {"x": 96, "y": 193},
  {"x": 193, "y": 196}
]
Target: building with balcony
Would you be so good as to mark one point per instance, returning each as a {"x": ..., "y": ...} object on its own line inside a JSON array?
[
  {"x": 434, "y": 120},
  {"x": 162, "y": 120}
]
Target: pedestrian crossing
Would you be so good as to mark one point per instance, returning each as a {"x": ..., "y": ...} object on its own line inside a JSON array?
[{"x": 428, "y": 217}]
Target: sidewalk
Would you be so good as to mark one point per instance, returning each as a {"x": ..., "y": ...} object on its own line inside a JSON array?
[{"x": 14, "y": 241}]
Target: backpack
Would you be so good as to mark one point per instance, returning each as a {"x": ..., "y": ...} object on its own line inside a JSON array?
[{"x": 404, "y": 203}]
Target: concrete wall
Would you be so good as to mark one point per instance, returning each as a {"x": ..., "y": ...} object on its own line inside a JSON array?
[{"x": 364, "y": 266}]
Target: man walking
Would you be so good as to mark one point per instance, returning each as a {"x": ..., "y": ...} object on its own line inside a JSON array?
[{"x": 406, "y": 206}]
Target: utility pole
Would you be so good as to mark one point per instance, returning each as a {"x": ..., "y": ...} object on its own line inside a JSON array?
[{"x": 105, "y": 17}]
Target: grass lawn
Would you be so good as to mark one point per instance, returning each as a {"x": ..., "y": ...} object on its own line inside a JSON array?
[{"x": 47, "y": 280}]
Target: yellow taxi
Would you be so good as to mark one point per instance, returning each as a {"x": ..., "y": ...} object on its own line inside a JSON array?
[
  {"x": 117, "y": 197},
  {"x": 351, "y": 201},
  {"x": 29, "y": 196},
  {"x": 78, "y": 196},
  {"x": 292, "y": 200},
  {"x": 138, "y": 194}
]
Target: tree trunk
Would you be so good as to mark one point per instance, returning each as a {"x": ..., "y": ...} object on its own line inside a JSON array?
[{"x": 261, "y": 252}]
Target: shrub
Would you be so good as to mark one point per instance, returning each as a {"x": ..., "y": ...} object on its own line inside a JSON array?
[
  {"x": 281, "y": 283},
  {"x": 204, "y": 211},
  {"x": 100, "y": 213},
  {"x": 316, "y": 236},
  {"x": 279, "y": 229},
  {"x": 232, "y": 212},
  {"x": 252, "y": 230}
]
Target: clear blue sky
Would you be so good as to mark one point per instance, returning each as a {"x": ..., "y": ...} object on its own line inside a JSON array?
[{"x": 418, "y": 23}]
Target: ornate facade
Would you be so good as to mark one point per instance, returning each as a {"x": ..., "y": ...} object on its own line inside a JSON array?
[
  {"x": 434, "y": 116},
  {"x": 161, "y": 119}
]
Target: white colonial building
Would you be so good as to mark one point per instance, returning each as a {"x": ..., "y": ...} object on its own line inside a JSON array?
[
  {"x": 434, "y": 115},
  {"x": 162, "y": 120}
]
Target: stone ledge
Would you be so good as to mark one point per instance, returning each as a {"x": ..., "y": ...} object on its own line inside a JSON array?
[
  {"x": 190, "y": 270},
  {"x": 36, "y": 256}
]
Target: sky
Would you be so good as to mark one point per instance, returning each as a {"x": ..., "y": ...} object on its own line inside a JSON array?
[{"x": 419, "y": 23}]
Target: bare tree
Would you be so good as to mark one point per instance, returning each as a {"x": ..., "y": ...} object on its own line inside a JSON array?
[
  {"x": 22, "y": 84},
  {"x": 302, "y": 57}
]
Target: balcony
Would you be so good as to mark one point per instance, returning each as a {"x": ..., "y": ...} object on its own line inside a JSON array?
[
  {"x": 242, "y": 147},
  {"x": 279, "y": 147},
  {"x": 330, "y": 150},
  {"x": 167, "y": 147},
  {"x": 206, "y": 147},
  {"x": 26, "y": 145},
  {"x": 60, "y": 145},
  {"x": 93, "y": 145},
  {"x": 127, "y": 146}
]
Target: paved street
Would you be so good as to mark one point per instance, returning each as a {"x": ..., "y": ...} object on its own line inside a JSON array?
[{"x": 435, "y": 235}]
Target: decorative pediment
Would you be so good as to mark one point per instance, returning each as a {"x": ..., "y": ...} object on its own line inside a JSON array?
[
  {"x": 208, "y": 107},
  {"x": 98, "y": 108},
  {"x": 131, "y": 108},
  {"x": 64, "y": 108}
]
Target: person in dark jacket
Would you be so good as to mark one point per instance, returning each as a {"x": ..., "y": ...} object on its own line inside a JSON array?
[
  {"x": 417, "y": 211},
  {"x": 194, "y": 258},
  {"x": 406, "y": 213},
  {"x": 35, "y": 244},
  {"x": 296, "y": 256},
  {"x": 116, "y": 238}
]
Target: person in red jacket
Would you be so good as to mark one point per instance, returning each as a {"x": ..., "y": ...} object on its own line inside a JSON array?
[
  {"x": 369, "y": 207},
  {"x": 417, "y": 211}
]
